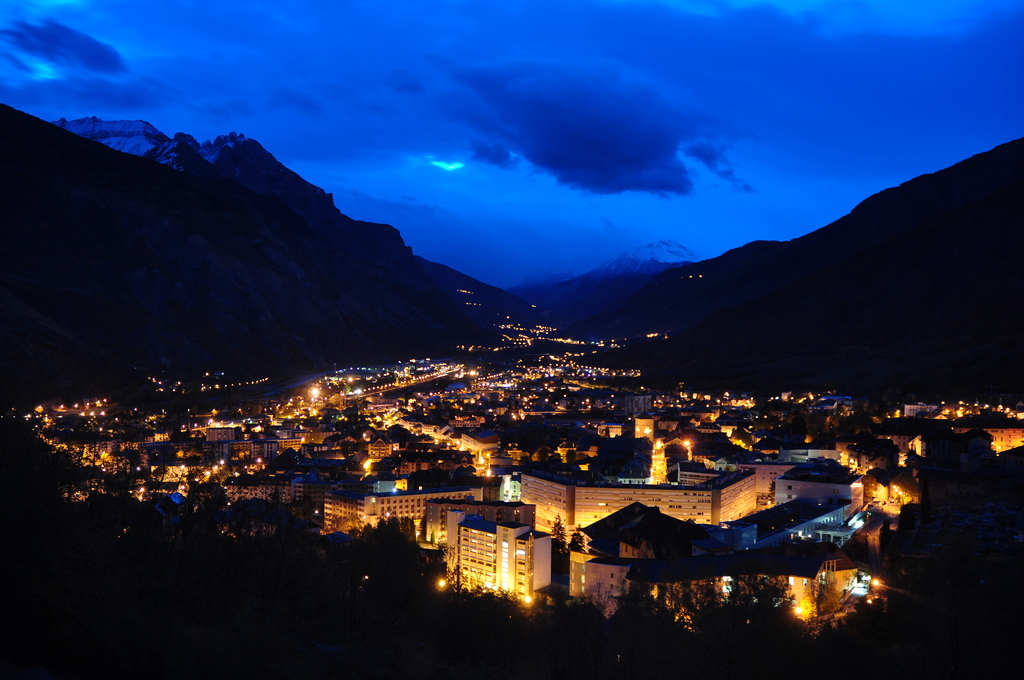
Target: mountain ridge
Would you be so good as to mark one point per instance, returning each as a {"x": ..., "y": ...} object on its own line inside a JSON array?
[
  {"x": 127, "y": 266},
  {"x": 759, "y": 267},
  {"x": 244, "y": 160},
  {"x": 585, "y": 294},
  {"x": 932, "y": 304},
  {"x": 485, "y": 304}
]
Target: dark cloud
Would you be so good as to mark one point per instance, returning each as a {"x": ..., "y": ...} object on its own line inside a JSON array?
[
  {"x": 707, "y": 153},
  {"x": 494, "y": 154},
  {"x": 17, "y": 63},
  {"x": 713, "y": 157},
  {"x": 56, "y": 42},
  {"x": 589, "y": 126},
  {"x": 601, "y": 96},
  {"x": 88, "y": 94}
]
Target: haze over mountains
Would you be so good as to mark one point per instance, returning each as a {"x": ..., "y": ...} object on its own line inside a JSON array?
[
  {"x": 586, "y": 294},
  {"x": 487, "y": 305}
]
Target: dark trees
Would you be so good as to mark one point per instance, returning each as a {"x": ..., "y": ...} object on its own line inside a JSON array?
[{"x": 559, "y": 548}]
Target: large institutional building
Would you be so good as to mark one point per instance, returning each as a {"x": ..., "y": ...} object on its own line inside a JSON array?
[
  {"x": 346, "y": 509},
  {"x": 579, "y": 503}
]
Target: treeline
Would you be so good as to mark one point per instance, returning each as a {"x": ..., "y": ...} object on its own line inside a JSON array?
[{"x": 108, "y": 587}]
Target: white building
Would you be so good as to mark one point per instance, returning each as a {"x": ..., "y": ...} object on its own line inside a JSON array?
[{"x": 505, "y": 556}]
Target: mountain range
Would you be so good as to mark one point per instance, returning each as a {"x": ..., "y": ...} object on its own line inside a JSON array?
[
  {"x": 132, "y": 253},
  {"x": 577, "y": 297},
  {"x": 234, "y": 156},
  {"x": 487, "y": 305},
  {"x": 918, "y": 286},
  {"x": 120, "y": 266}
]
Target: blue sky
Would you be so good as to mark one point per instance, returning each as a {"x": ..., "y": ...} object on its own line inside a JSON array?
[{"x": 527, "y": 137}]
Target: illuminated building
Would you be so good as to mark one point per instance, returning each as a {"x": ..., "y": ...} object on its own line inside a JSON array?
[
  {"x": 221, "y": 434},
  {"x": 643, "y": 426},
  {"x": 435, "y": 523},
  {"x": 505, "y": 556},
  {"x": 345, "y": 509},
  {"x": 1007, "y": 433},
  {"x": 581, "y": 503},
  {"x": 801, "y": 572},
  {"x": 659, "y": 467},
  {"x": 822, "y": 481},
  {"x": 379, "y": 448},
  {"x": 637, "y": 403},
  {"x": 766, "y": 474}
]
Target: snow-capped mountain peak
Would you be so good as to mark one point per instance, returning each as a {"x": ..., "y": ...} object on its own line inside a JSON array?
[
  {"x": 130, "y": 136},
  {"x": 140, "y": 138},
  {"x": 588, "y": 293},
  {"x": 647, "y": 259},
  {"x": 210, "y": 150}
]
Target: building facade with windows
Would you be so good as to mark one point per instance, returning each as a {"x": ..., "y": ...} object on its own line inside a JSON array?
[
  {"x": 578, "y": 503},
  {"x": 347, "y": 509},
  {"x": 436, "y": 522},
  {"x": 506, "y": 556}
]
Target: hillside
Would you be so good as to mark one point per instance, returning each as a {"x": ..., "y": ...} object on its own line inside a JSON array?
[
  {"x": 933, "y": 305},
  {"x": 677, "y": 300},
  {"x": 591, "y": 292},
  {"x": 487, "y": 305},
  {"x": 120, "y": 266}
]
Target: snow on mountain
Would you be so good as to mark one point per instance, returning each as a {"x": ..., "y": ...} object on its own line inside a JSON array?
[
  {"x": 580, "y": 296},
  {"x": 646, "y": 259},
  {"x": 140, "y": 138},
  {"x": 243, "y": 160},
  {"x": 210, "y": 150},
  {"x": 130, "y": 136}
]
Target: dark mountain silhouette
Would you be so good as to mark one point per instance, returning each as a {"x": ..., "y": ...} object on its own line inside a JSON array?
[
  {"x": 236, "y": 157},
  {"x": 487, "y": 305},
  {"x": 585, "y": 294},
  {"x": 118, "y": 266},
  {"x": 679, "y": 299},
  {"x": 919, "y": 286}
]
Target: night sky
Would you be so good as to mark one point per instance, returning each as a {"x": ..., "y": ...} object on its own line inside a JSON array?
[{"x": 524, "y": 137}]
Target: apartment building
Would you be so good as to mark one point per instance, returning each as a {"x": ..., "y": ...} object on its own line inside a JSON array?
[
  {"x": 765, "y": 476},
  {"x": 435, "y": 527},
  {"x": 505, "y": 556}
]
